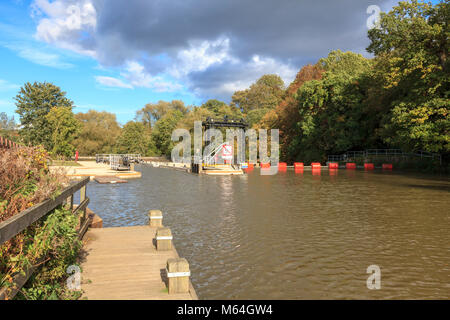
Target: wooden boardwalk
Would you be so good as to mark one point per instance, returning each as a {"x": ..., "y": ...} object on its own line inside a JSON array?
[{"x": 122, "y": 263}]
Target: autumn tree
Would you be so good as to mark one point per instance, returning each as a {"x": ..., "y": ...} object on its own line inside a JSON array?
[
  {"x": 265, "y": 94},
  {"x": 98, "y": 134},
  {"x": 152, "y": 112},
  {"x": 331, "y": 109},
  {"x": 286, "y": 115}
]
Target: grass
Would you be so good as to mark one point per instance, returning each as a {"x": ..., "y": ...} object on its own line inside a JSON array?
[{"x": 65, "y": 163}]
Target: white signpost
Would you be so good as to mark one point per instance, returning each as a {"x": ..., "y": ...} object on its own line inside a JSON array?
[{"x": 227, "y": 152}]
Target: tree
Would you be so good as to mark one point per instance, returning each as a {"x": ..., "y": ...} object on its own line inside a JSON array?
[
  {"x": 34, "y": 102},
  {"x": 64, "y": 127},
  {"x": 196, "y": 114},
  {"x": 152, "y": 112},
  {"x": 7, "y": 123},
  {"x": 286, "y": 115},
  {"x": 213, "y": 105},
  {"x": 332, "y": 113},
  {"x": 411, "y": 48},
  {"x": 162, "y": 132},
  {"x": 135, "y": 139},
  {"x": 8, "y": 128},
  {"x": 98, "y": 134},
  {"x": 266, "y": 93}
]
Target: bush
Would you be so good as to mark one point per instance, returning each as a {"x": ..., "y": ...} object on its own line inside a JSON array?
[{"x": 25, "y": 180}]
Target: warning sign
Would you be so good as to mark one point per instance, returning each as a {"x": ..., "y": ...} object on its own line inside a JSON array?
[{"x": 227, "y": 152}]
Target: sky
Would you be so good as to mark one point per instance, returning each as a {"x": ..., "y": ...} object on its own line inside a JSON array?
[{"x": 117, "y": 55}]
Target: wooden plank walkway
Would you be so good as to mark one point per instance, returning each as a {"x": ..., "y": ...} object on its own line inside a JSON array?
[
  {"x": 122, "y": 263},
  {"x": 107, "y": 179}
]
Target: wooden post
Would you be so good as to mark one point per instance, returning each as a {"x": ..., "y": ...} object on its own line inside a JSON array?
[
  {"x": 155, "y": 218},
  {"x": 178, "y": 274},
  {"x": 163, "y": 239},
  {"x": 69, "y": 203},
  {"x": 82, "y": 198},
  {"x": 132, "y": 166}
]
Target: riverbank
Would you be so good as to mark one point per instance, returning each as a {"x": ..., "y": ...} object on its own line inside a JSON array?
[{"x": 92, "y": 169}]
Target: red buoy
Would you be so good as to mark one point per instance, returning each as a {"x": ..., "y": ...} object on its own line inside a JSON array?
[
  {"x": 315, "y": 165},
  {"x": 298, "y": 165},
  {"x": 282, "y": 166},
  {"x": 333, "y": 165},
  {"x": 369, "y": 166},
  {"x": 350, "y": 165},
  {"x": 265, "y": 165},
  {"x": 387, "y": 166}
]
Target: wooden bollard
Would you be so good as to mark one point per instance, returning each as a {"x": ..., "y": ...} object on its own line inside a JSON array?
[
  {"x": 163, "y": 239},
  {"x": 178, "y": 275},
  {"x": 155, "y": 218}
]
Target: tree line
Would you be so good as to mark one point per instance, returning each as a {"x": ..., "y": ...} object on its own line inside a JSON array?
[{"x": 399, "y": 98}]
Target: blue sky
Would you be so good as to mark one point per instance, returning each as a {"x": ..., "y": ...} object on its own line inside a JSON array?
[{"x": 119, "y": 55}]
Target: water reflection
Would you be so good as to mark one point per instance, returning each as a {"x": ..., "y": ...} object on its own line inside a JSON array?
[{"x": 296, "y": 235}]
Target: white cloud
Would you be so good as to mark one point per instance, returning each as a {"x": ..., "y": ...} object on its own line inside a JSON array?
[
  {"x": 112, "y": 82},
  {"x": 39, "y": 56},
  {"x": 200, "y": 56},
  {"x": 208, "y": 46},
  {"x": 8, "y": 86},
  {"x": 66, "y": 23},
  {"x": 137, "y": 76}
]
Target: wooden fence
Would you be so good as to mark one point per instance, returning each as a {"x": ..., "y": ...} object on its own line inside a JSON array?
[
  {"x": 8, "y": 144},
  {"x": 21, "y": 221}
]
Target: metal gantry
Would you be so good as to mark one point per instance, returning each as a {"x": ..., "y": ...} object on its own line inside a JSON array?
[
  {"x": 119, "y": 161},
  {"x": 211, "y": 123}
]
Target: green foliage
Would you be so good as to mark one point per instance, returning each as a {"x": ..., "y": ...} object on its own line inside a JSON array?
[
  {"x": 162, "y": 132},
  {"x": 54, "y": 239},
  {"x": 399, "y": 99},
  {"x": 34, "y": 102},
  {"x": 255, "y": 116},
  {"x": 135, "y": 138},
  {"x": 213, "y": 105},
  {"x": 412, "y": 46},
  {"x": 152, "y": 112},
  {"x": 266, "y": 93},
  {"x": 331, "y": 109},
  {"x": 50, "y": 244},
  {"x": 64, "y": 127},
  {"x": 99, "y": 133}
]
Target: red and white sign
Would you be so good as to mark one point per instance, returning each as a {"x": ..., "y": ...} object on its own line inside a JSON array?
[{"x": 227, "y": 152}]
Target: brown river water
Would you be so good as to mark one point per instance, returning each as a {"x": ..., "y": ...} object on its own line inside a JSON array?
[{"x": 296, "y": 236}]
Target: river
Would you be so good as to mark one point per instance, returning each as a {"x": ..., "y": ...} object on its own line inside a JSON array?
[{"x": 296, "y": 236}]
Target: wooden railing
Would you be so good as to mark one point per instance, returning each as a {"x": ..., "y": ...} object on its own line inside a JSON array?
[
  {"x": 21, "y": 221},
  {"x": 8, "y": 144}
]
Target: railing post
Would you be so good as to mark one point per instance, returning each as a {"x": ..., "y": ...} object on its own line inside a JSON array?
[
  {"x": 69, "y": 203},
  {"x": 82, "y": 198}
]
